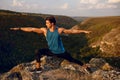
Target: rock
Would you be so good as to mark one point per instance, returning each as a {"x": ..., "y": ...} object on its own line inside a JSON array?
[
  {"x": 15, "y": 75},
  {"x": 59, "y": 69},
  {"x": 96, "y": 63},
  {"x": 106, "y": 75},
  {"x": 67, "y": 65},
  {"x": 107, "y": 66},
  {"x": 64, "y": 74}
]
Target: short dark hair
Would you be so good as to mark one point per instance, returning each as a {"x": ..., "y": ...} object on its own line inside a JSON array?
[{"x": 51, "y": 19}]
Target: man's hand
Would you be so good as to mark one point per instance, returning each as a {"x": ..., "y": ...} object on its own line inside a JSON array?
[
  {"x": 14, "y": 28},
  {"x": 87, "y": 32}
]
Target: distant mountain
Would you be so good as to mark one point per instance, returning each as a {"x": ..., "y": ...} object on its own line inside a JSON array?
[
  {"x": 12, "y": 18},
  {"x": 7, "y": 12},
  {"x": 80, "y": 19}
]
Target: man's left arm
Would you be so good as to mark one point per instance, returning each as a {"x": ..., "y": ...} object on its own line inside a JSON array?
[{"x": 74, "y": 31}]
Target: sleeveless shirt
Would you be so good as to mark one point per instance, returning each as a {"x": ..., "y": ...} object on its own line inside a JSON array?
[{"x": 54, "y": 42}]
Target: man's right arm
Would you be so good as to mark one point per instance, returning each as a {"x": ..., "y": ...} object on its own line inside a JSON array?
[{"x": 30, "y": 29}]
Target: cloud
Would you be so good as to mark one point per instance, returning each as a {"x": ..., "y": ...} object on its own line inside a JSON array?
[
  {"x": 98, "y": 1},
  {"x": 98, "y": 4},
  {"x": 89, "y": 1},
  {"x": 113, "y": 1},
  {"x": 104, "y": 6},
  {"x": 17, "y": 3},
  {"x": 22, "y": 5},
  {"x": 64, "y": 6}
]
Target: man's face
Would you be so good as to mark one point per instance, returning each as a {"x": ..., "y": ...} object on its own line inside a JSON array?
[{"x": 48, "y": 24}]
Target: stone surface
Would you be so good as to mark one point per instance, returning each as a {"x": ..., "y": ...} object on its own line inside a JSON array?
[{"x": 59, "y": 69}]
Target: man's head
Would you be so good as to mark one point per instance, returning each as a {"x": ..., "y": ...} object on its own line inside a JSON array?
[{"x": 50, "y": 21}]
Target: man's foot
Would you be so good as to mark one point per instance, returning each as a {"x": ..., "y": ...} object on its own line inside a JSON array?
[
  {"x": 37, "y": 70},
  {"x": 87, "y": 69}
]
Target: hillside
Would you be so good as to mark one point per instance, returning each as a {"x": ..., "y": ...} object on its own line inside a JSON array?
[
  {"x": 79, "y": 19},
  {"x": 102, "y": 29},
  {"x": 110, "y": 43},
  {"x": 11, "y": 18},
  {"x": 100, "y": 25}
]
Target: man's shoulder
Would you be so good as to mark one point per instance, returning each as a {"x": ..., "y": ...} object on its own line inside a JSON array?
[
  {"x": 43, "y": 28},
  {"x": 60, "y": 30}
]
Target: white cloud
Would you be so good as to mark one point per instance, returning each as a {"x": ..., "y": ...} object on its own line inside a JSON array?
[
  {"x": 17, "y": 3},
  {"x": 64, "y": 6},
  {"x": 89, "y": 1},
  {"x": 24, "y": 5},
  {"x": 98, "y": 4},
  {"x": 113, "y": 1},
  {"x": 98, "y": 1},
  {"x": 104, "y": 6}
]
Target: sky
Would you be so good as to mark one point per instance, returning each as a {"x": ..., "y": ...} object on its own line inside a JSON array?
[{"x": 64, "y": 7}]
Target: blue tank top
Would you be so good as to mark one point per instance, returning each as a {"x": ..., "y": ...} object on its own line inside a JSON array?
[{"x": 54, "y": 42}]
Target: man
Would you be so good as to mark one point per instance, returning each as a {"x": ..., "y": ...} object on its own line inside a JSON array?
[{"x": 52, "y": 34}]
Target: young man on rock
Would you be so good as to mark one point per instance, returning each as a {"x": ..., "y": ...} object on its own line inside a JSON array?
[{"x": 55, "y": 45}]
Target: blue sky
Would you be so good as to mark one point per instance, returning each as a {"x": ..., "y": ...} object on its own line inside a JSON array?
[{"x": 65, "y": 7}]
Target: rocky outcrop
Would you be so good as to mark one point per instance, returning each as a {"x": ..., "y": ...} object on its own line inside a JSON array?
[{"x": 59, "y": 69}]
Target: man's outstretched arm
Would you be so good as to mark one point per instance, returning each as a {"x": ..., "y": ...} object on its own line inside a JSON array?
[
  {"x": 74, "y": 31},
  {"x": 29, "y": 29}
]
